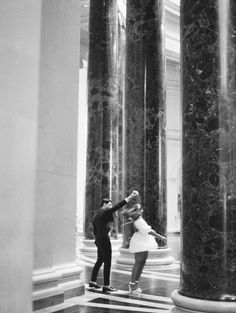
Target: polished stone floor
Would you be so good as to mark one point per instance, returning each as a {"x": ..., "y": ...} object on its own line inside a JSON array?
[{"x": 157, "y": 287}]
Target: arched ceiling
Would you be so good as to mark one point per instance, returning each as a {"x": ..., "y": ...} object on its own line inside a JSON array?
[{"x": 172, "y": 38}]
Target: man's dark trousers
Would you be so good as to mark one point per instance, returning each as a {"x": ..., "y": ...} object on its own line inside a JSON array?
[{"x": 104, "y": 256}]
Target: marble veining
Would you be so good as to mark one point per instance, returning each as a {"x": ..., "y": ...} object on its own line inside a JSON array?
[
  {"x": 145, "y": 109},
  {"x": 208, "y": 269},
  {"x": 102, "y": 106}
]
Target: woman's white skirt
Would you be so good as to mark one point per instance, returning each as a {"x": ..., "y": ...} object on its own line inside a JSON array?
[{"x": 139, "y": 243}]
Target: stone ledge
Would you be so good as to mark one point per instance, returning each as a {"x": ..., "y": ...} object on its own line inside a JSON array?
[{"x": 54, "y": 286}]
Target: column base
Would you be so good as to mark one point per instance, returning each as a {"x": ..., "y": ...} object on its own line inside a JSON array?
[
  {"x": 53, "y": 286},
  {"x": 187, "y": 304},
  {"x": 70, "y": 280},
  {"x": 156, "y": 259},
  {"x": 89, "y": 248}
]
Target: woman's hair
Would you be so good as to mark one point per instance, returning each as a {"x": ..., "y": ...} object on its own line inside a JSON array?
[
  {"x": 137, "y": 206},
  {"x": 132, "y": 210}
]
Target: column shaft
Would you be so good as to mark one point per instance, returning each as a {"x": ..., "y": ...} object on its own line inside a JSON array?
[
  {"x": 121, "y": 127},
  {"x": 155, "y": 146},
  {"x": 145, "y": 109},
  {"x": 19, "y": 62},
  {"x": 208, "y": 49},
  {"x": 102, "y": 102},
  {"x": 56, "y": 273}
]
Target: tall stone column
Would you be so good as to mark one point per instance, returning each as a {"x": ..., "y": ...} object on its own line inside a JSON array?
[
  {"x": 145, "y": 113},
  {"x": 121, "y": 112},
  {"x": 154, "y": 193},
  {"x": 57, "y": 275},
  {"x": 208, "y": 48},
  {"x": 19, "y": 88},
  {"x": 102, "y": 144}
]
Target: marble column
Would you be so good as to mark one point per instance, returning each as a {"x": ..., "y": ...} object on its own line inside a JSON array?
[
  {"x": 208, "y": 47},
  {"x": 102, "y": 144},
  {"x": 145, "y": 111},
  {"x": 57, "y": 275},
  {"x": 121, "y": 111}
]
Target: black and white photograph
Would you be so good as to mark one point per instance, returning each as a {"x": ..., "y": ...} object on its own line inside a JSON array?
[{"x": 118, "y": 154}]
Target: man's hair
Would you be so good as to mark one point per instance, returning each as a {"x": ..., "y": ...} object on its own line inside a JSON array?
[{"x": 105, "y": 200}]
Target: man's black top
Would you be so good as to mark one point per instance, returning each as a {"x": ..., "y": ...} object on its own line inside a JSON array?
[{"x": 101, "y": 221}]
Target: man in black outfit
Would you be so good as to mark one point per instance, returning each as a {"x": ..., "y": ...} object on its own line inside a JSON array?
[{"x": 101, "y": 221}]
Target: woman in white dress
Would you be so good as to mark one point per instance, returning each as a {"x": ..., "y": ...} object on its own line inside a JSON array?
[{"x": 141, "y": 242}]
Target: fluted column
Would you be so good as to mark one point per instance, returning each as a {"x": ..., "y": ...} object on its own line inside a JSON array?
[
  {"x": 145, "y": 112},
  {"x": 102, "y": 107},
  {"x": 208, "y": 50}
]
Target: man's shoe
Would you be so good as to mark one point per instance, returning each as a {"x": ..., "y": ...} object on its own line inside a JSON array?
[
  {"x": 94, "y": 285},
  {"x": 108, "y": 289}
]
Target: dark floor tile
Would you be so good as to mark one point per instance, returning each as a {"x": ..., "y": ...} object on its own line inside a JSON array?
[
  {"x": 141, "y": 296},
  {"x": 101, "y": 310},
  {"x": 116, "y": 302}
]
